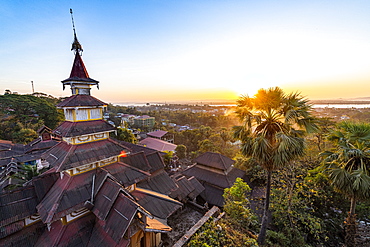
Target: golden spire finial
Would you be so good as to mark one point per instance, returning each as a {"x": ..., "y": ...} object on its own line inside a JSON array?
[{"x": 76, "y": 46}]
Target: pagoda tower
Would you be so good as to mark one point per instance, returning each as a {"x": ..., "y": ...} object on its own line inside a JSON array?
[{"x": 97, "y": 191}]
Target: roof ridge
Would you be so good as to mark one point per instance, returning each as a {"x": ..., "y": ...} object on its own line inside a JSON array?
[
  {"x": 55, "y": 206},
  {"x": 72, "y": 147}
]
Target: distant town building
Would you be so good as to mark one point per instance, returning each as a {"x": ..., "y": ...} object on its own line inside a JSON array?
[
  {"x": 162, "y": 135},
  {"x": 158, "y": 144},
  {"x": 144, "y": 121}
]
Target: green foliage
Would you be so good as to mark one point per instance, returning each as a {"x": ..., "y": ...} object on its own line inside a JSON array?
[
  {"x": 206, "y": 139},
  {"x": 125, "y": 135},
  {"x": 222, "y": 234},
  {"x": 348, "y": 168},
  {"x": 272, "y": 133},
  {"x": 167, "y": 158},
  {"x": 305, "y": 209},
  {"x": 123, "y": 109},
  {"x": 24, "y": 136},
  {"x": 25, "y": 174},
  {"x": 237, "y": 205},
  {"x": 26, "y": 112},
  {"x": 181, "y": 151}
]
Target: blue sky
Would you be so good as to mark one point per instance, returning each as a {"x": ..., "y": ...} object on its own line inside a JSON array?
[{"x": 167, "y": 51}]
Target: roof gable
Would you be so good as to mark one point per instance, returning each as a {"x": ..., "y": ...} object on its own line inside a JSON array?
[{"x": 214, "y": 160}]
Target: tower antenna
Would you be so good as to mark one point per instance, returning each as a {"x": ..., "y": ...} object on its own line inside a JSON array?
[
  {"x": 76, "y": 46},
  {"x": 33, "y": 89}
]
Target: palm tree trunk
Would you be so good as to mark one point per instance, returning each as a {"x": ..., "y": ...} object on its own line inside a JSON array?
[
  {"x": 264, "y": 223},
  {"x": 351, "y": 227}
]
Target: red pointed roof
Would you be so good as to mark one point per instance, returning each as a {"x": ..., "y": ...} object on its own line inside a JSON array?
[
  {"x": 79, "y": 72},
  {"x": 78, "y": 68}
]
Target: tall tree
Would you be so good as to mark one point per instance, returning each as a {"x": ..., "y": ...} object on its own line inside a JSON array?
[
  {"x": 272, "y": 133},
  {"x": 348, "y": 168}
]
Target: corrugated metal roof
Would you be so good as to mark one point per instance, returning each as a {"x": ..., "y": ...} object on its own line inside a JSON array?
[
  {"x": 198, "y": 187},
  {"x": 217, "y": 179},
  {"x": 120, "y": 217},
  {"x": 66, "y": 195},
  {"x": 43, "y": 183},
  {"x": 155, "y": 161},
  {"x": 137, "y": 160},
  {"x": 105, "y": 198},
  {"x": 41, "y": 145},
  {"x": 159, "y": 182},
  {"x": 215, "y": 160},
  {"x": 81, "y": 100},
  {"x": 25, "y": 238},
  {"x": 17, "y": 204},
  {"x": 70, "y": 129},
  {"x": 100, "y": 238},
  {"x": 65, "y": 156},
  {"x": 213, "y": 195},
  {"x": 76, "y": 233},
  {"x": 138, "y": 148},
  {"x": 185, "y": 188},
  {"x": 126, "y": 174},
  {"x": 157, "y": 204},
  {"x": 157, "y": 133},
  {"x": 158, "y": 145}
]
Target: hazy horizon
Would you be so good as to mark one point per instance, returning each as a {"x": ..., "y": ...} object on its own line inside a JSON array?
[{"x": 189, "y": 51}]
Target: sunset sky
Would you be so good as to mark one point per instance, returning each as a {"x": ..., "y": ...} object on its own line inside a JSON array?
[{"x": 190, "y": 50}]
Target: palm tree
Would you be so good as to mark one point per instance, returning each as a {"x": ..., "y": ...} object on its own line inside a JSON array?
[
  {"x": 272, "y": 133},
  {"x": 348, "y": 166}
]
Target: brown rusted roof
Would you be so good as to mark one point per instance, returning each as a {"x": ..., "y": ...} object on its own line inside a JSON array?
[
  {"x": 214, "y": 160},
  {"x": 75, "y": 233},
  {"x": 198, "y": 187},
  {"x": 12, "y": 150},
  {"x": 184, "y": 188},
  {"x": 100, "y": 238},
  {"x": 81, "y": 100},
  {"x": 66, "y": 195},
  {"x": 25, "y": 238},
  {"x": 69, "y": 129},
  {"x": 155, "y": 161},
  {"x": 120, "y": 217},
  {"x": 125, "y": 174},
  {"x": 79, "y": 72},
  {"x": 159, "y": 182},
  {"x": 213, "y": 195},
  {"x": 105, "y": 198},
  {"x": 157, "y": 204},
  {"x": 43, "y": 183},
  {"x": 138, "y": 148},
  {"x": 17, "y": 204},
  {"x": 218, "y": 179},
  {"x": 137, "y": 160},
  {"x": 40, "y": 145},
  {"x": 65, "y": 156}
]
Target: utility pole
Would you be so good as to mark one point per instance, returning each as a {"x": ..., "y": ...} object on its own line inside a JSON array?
[{"x": 33, "y": 90}]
